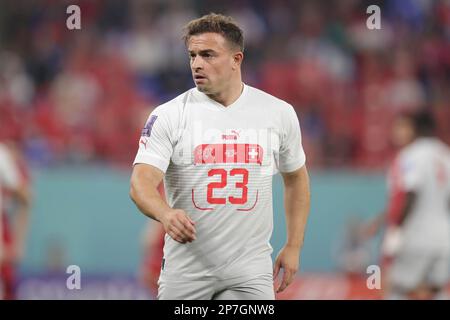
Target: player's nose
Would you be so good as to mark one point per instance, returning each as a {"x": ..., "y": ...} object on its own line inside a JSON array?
[{"x": 196, "y": 64}]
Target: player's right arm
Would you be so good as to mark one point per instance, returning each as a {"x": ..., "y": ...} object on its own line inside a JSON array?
[
  {"x": 372, "y": 227},
  {"x": 13, "y": 181},
  {"x": 144, "y": 192},
  {"x": 151, "y": 162},
  {"x": 23, "y": 198}
]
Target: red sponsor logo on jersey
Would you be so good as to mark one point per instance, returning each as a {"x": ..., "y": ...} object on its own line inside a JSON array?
[{"x": 228, "y": 153}]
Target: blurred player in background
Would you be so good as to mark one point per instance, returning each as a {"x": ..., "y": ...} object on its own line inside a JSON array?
[
  {"x": 15, "y": 203},
  {"x": 152, "y": 250},
  {"x": 352, "y": 250},
  {"x": 153, "y": 245},
  {"x": 219, "y": 184},
  {"x": 416, "y": 244}
]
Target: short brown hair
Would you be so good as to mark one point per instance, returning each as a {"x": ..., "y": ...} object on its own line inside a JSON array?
[{"x": 216, "y": 23}]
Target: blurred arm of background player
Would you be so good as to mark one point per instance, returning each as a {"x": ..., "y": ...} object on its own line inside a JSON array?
[
  {"x": 20, "y": 222},
  {"x": 144, "y": 192},
  {"x": 297, "y": 203},
  {"x": 21, "y": 195},
  {"x": 399, "y": 207},
  {"x": 152, "y": 252},
  {"x": 406, "y": 206},
  {"x": 397, "y": 211}
]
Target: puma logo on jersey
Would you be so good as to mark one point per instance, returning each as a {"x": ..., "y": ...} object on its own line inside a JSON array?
[
  {"x": 233, "y": 136},
  {"x": 229, "y": 137},
  {"x": 143, "y": 142}
]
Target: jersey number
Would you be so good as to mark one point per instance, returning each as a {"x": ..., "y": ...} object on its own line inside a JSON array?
[{"x": 222, "y": 184}]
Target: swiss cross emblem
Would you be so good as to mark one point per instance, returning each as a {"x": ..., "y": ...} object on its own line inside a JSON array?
[{"x": 253, "y": 153}]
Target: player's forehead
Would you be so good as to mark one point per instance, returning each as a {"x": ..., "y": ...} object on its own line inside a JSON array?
[{"x": 207, "y": 41}]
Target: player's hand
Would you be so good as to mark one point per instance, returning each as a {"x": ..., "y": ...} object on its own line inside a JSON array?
[
  {"x": 288, "y": 261},
  {"x": 179, "y": 226},
  {"x": 392, "y": 242}
]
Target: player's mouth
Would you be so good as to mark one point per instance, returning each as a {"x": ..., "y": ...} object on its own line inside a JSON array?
[{"x": 199, "y": 78}]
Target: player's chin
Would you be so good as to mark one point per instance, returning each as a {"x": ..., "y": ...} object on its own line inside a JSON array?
[{"x": 202, "y": 88}]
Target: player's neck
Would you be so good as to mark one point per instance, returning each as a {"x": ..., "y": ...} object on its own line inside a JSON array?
[{"x": 229, "y": 96}]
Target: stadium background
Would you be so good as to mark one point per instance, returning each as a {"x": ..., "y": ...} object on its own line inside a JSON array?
[{"x": 75, "y": 101}]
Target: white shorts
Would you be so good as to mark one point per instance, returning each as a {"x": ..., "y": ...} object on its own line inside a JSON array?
[
  {"x": 410, "y": 268},
  {"x": 259, "y": 287}
]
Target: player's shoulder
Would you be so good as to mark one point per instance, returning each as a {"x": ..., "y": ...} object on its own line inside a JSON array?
[
  {"x": 268, "y": 100},
  {"x": 174, "y": 106},
  {"x": 6, "y": 155},
  {"x": 413, "y": 151},
  {"x": 4, "y": 151},
  {"x": 444, "y": 150},
  {"x": 423, "y": 149}
]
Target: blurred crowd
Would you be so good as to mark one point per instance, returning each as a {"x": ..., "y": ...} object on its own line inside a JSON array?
[{"x": 82, "y": 96}]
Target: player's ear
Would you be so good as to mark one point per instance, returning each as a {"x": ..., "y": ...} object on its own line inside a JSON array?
[{"x": 238, "y": 56}]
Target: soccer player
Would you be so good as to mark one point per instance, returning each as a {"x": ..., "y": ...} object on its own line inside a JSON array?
[
  {"x": 416, "y": 245},
  {"x": 152, "y": 249},
  {"x": 14, "y": 185},
  {"x": 217, "y": 147}
]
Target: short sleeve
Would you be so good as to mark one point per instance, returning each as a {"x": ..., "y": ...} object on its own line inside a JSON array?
[
  {"x": 292, "y": 155},
  {"x": 9, "y": 172},
  {"x": 412, "y": 173},
  {"x": 155, "y": 143}
]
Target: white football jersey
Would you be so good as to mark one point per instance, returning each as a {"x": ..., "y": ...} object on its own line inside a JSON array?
[
  {"x": 9, "y": 179},
  {"x": 218, "y": 163},
  {"x": 424, "y": 168}
]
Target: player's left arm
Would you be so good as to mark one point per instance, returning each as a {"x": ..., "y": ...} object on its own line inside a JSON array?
[
  {"x": 407, "y": 206},
  {"x": 292, "y": 167},
  {"x": 297, "y": 203},
  {"x": 412, "y": 181}
]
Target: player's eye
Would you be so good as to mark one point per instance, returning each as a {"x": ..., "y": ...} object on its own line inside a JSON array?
[{"x": 207, "y": 55}]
